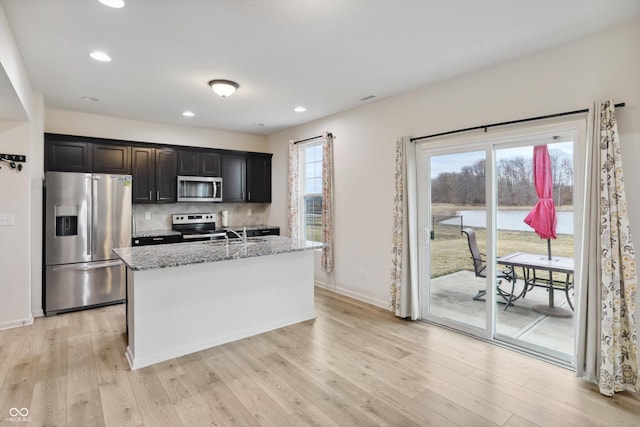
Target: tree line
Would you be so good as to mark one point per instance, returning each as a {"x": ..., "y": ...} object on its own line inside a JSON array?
[{"x": 515, "y": 182}]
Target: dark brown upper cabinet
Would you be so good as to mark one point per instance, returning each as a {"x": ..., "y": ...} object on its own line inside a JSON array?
[
  {"x": 143, "y": 164},
  {"x": 109, "y": 158},
  {"x": 154, "y": 175},
  {"x": 258, "y": 178},
  {"x": 74, "y": 155},
  {"x": 234, "y": 168},
  {"x": 198, "y": 163},
  {"x": 246, "y": 177},
  {"x": 68, "y": 156}
]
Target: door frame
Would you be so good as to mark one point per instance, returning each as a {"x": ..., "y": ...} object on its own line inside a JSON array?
[{"x": 489, "y": 141}]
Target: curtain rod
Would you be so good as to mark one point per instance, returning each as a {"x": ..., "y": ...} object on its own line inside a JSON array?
[
  {"x": 530, "y": 119},
  {"x": 309, "y": 139}
]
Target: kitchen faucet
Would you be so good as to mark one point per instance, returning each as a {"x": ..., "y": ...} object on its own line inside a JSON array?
[{"x": 243, "y": 237}]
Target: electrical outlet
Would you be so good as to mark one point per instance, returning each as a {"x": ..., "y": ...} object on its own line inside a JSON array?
[
  {"x": 6, "y": 219},
  {"x": 147, "y": 215},
  {"x": 249, "y": 212}
]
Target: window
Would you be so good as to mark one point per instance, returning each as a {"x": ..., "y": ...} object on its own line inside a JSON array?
[{"x": 311, "y": 191}]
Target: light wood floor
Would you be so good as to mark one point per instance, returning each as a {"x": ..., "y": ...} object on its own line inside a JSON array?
[{"x": 354, "y": 365}]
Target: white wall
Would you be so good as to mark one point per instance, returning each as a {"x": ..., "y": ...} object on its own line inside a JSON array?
[
  {"x": 13, "y": 70},
  {"x": 573, "y": 76},
  {"x": 36, "y": 172},
  {"x": 16, "y": 137},
  {"x": 75, "y": 123},
  {"x": 15, "y": 267}
]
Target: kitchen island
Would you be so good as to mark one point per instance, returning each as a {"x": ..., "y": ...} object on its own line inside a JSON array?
[{"x": 187, "y": 297}]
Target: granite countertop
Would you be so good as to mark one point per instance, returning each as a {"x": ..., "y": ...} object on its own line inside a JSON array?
[
  {"x": 155, "y": 233},
  {"x": 160, "y": 233},
  {"x": 178, "y": 254},
  {"x": 249, "y": 227}
]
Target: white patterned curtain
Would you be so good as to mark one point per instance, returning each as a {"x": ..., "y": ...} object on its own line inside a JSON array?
[
  {"x": 327, "y": 202},
  {"x": 404, "y": 295},
  {"x": 294, "y": 191},
  {"x": 607, "y": 348}
]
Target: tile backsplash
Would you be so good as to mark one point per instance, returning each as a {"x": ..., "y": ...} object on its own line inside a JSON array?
[{"x": 160, "y": 214}]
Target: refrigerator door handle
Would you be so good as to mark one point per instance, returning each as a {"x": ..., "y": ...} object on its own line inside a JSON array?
[
  {"x": 94, "y": 215},
  {"x": 89, "y": 185},
  {"x": 88, "y": 266}
]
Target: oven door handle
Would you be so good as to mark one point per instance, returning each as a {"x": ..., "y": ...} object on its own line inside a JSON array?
[{"x": 198, "y": 236}]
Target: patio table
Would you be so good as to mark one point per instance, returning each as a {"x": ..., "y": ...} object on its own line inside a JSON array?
[{"x": 530, "y": 263}]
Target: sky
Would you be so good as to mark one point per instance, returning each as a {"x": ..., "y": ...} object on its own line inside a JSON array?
[{"x": 455, "y": 162}]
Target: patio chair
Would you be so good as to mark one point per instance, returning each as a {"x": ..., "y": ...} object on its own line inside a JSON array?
[{"x": 480, "y": 270}]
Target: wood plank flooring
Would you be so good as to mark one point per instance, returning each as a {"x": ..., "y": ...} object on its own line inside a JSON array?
[{"x": 353, "y": 365}]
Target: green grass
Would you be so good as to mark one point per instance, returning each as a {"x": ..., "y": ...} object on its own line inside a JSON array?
[{"x": 450, "y": 251}]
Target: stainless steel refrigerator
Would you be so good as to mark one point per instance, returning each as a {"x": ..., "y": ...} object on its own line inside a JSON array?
[{"x": 86, "y": 215}]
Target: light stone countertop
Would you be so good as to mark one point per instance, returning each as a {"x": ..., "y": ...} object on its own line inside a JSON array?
[
  {"x": 155, "y": 233},
  {"x": 178, "y": 254}
]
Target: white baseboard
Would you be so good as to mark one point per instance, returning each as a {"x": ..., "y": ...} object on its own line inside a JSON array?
[
  {"x": 16, "y": 323},
  {"x": 351, "y": 294},
  {"x": 37, "y": 313}
]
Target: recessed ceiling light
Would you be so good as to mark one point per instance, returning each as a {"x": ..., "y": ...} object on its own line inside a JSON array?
[
  {"x": 90, "y": 99},
  {"x": 100, "y": 56},
  {"x": 113, "y": 3},
  {"x": 188, "y": 114},
  {"x": 299, "y": 109}
]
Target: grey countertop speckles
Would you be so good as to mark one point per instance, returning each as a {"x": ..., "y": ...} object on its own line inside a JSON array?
[
  {"x": 178, "y": 254},
  {"x": 155, "y": 233}
]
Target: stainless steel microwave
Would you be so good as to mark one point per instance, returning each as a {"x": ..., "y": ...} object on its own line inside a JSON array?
[{"x": 199, "y": 189}]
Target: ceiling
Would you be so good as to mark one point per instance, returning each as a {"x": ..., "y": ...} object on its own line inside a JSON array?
[{"x": 323, "y": 54}]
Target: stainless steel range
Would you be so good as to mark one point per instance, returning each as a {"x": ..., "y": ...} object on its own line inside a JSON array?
[{"x": 199, "y": 226}]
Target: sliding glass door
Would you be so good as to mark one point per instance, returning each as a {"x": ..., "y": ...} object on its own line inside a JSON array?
[
  {"x": 457, "y": 282},
  {"x": 486, "y": 267}
]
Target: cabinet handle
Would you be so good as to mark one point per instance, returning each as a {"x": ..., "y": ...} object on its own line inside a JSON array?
[
  {"x": 158, "y": 195},
  {"x": 249, "y": 196},
  {"x": 150, "y": 196},
  {"x": 243, "y": 195}
]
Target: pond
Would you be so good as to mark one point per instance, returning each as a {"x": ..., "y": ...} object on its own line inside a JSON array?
[{"x": 509, "y": 220}]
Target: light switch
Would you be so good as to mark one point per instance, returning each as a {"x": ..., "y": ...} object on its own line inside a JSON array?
[
  {"x": 147, "y": 215},
  {"x": 6, "y": 219}
]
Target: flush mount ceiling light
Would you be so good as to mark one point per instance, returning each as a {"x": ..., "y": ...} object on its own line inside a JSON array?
[
  {"x": 299, "y": 109},
  {"x": 188, "y": 114},
  {"x": 117, "y": 4},
  {"x": 100, "y": 56},
  {"x": 224, "y": 88}
]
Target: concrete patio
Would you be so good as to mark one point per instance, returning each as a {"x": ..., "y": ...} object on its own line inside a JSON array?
[{"x": 452, "y": 298}]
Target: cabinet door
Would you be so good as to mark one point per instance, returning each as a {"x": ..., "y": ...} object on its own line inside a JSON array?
[
  {"x": 233, "y": 177},
  {"x": 188, "y": 163},
  {"x": 275, "y": 231},
  {"x": 68, "y": 156},
  {"x": 258, "y": 179},
  {"x": 109, "y": 158},
  {"x": 209, "y": 164},
  {"x": 143, "y": 174},
  {"x": 166, "y": 167}
]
